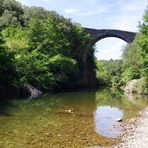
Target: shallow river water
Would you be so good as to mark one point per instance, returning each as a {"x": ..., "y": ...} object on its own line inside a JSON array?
[{"x": 67, "y": 120}]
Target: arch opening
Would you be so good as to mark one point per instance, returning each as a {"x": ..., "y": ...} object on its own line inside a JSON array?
[{"x": 108, "y": 48}]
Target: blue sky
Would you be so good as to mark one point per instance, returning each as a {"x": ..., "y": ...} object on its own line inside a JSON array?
[{"x": 99, "y": 14}]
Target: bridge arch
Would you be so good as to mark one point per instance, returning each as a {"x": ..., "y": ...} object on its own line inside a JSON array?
[{"x": 98, "y": 34}]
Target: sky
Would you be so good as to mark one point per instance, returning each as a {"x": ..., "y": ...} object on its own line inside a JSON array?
[{"x": 99, "y": 14}]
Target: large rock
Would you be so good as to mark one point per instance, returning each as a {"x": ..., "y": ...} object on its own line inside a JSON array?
[
  {"x": 138, "y": 86},
  {"x": 32, "y": 92},
  {"x": 131, "y": 86}
]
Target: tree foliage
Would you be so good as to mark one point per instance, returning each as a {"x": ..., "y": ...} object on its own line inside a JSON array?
[
  {"x": 135, "y": 55},
  {"x": 143, "y": 43},
  {"x": 42, "y": 48},
  {"x": 47, "y": 49},
  {"x": 10, "y": 12},
  {"x": 132, "y": 61},
  {"x": 108, "y": 72}
]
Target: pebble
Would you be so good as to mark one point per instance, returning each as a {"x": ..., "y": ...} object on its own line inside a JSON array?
[
  {"x": 119, "y": 120},
  {"x": 136, "y": 136}
]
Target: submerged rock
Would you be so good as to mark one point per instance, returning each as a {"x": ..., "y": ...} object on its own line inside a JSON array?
[{"x": 119, "y": 120}]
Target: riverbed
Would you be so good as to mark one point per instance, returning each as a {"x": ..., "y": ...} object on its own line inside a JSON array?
[{"x": 71, "y": 119}]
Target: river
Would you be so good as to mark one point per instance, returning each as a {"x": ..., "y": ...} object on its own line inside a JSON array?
[{"x": 70, "y": 119}]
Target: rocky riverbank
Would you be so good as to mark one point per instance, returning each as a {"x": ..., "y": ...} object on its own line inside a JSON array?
[
  {"x": 135, "y": 134},
  {"x": 137, "y": 86}
]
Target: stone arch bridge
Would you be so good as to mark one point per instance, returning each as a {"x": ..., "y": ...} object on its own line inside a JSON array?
[
  {"x": 88, "y": 75},
  {"x": 98, "y": 34}
]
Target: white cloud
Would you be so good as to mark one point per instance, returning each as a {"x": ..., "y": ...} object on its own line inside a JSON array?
[
  {"x": 129, "y": 15},
  {"x": 78, "y": 12},
  {"x": 40, "y": 3},
  {"x": 128, "y": 23},
  {"x": 71, "y": 11},
  {"x": 135, "y": 6},
  {"x": 91, "y": 2},
  {"x": 101, "y": 10},
  {"x": 25, "y": 2},
  {"x": 48, "y": 2},
  {"x": 125, "y": 21}
]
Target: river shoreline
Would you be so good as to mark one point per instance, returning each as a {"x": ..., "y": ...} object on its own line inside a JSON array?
[
  {"x": 45, "y": 120},
  {"x": 135, "y": 132}
]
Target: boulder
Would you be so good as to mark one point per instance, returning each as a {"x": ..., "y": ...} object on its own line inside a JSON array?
[
  {"x": 131, "y": 86},
  {"x": 32, "y": 92},
  {"x": 137, "y": 86},
  {"x": 119, "y": 120}
]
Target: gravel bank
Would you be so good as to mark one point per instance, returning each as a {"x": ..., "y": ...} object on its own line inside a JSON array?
[{"x": 136, "y": 135}]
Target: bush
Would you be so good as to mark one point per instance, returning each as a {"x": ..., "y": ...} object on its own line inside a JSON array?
[
  {"x": 7, "y": 69},
  {"x": 142, "y": 86}
]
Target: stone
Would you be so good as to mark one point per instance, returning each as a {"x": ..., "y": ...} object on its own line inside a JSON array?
[
  {"x": 119, "y": 120},
  {"x": 131, "y": 86},
  {"x": 32, "y": 91},
  {"x": 98, "y": 34}
]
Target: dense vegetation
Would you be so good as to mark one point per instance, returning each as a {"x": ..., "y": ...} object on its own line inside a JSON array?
[
  {"x": 134, "y": 62},
  {"x": 44, "y": 49},
  {"x": 135, "y": 55},
  {"x": 39, "y": 47},
  {"x": 108, "y": 72}
]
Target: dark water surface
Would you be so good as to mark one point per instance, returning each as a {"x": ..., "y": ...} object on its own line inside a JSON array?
[{"x": 71, "y": 119}]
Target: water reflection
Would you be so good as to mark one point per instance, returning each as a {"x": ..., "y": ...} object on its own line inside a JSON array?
[
  {"x": 46, "y": 121},
  {"x": 112, "y": 105},
  {"x": 105, "y": 121}
]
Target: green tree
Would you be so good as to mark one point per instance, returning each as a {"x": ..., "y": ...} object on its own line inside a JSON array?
[
  {"x": 44, "y": 48},
  {"x": 143, "y": 42},
  {"x": 7, "y": 69},
  {"x": 132, "y": 61},
  {"x": 10, "y": 12},
  {"x": 38, "y": 13},
  {"x": 135, "y": 55},
  {"x": 16, "y": 39}
]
